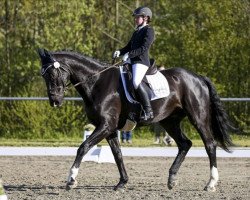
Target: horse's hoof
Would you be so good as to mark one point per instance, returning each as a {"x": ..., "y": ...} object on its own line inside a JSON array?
[
  {"x": 71, "y": 185},
  {"x": 172, "y": 184},
  {"x": 210, "y": 189},
  {"x": 120, "y": 186},
  {"x": 119, "y": 189}
]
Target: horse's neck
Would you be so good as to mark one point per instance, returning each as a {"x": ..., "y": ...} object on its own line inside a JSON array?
[
  {"x": 79, "y": 66},
  {"x": 85, "y": 78},
  {"x": 80, "y": 70},
  {"x": 85, "y": 73},
  {"x": 94, "y": 80}
]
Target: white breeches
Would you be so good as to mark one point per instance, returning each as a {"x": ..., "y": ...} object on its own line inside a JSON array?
[{"x": 138, "y": 71}]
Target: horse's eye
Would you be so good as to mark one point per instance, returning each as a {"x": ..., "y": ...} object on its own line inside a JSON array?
[
  {"x": 52, "y": 75},
  {"x": 46, "y": 76}
]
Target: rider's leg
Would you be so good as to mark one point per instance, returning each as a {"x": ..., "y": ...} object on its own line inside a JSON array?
[
  {"x": 144, "y": 99},
  {"x": 139, "y": 71}
]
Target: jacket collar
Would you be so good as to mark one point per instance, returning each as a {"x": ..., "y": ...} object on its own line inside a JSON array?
[{"x": 141, "y": 26}]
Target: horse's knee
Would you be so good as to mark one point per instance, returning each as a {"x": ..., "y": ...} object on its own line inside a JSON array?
[
  {"x": 118, "y": 154},
  {"x": 211, "y": 146},
  {"x": 185, "y": 145},
  {"x": 211, "y": 151},
  {"x": 83, "y": 149},
  {"x": 188, "y": 145}
]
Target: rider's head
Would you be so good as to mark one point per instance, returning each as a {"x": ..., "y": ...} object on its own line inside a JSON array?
[{"x": 142, "y": 15}]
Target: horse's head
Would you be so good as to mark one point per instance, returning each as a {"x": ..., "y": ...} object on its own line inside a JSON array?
[{"x": 55, "y": 76}]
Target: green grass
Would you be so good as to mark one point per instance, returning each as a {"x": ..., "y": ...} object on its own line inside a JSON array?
[
  {"x": 41, "y": 142},
  {"x": 239, "y": 141},
  {"x": 1, "y": 188}
]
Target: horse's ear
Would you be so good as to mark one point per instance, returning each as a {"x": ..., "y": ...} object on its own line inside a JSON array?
[
  {"x": 48, "y": 55},
  {"x": 46, "y": 52},
  {"x": 45, "y": 56},
  {"x": 41, "y": 53}
]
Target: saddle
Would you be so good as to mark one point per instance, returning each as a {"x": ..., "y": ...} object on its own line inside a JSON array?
[
  {"x": 127, "y": 72},
  {"x": 150, "y": 79}
]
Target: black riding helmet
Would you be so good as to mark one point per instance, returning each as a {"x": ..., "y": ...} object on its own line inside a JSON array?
[{"x": 143, "y": 11}]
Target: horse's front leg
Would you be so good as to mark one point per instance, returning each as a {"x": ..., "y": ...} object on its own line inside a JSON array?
[
  {"x": 98, "y": 135},
  {"x": 116, "y": 150}
]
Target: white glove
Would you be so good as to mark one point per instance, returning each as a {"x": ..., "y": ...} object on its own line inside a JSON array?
[
  {"x": 116, "y": 54},
  {"x": 125, "y": 57}
]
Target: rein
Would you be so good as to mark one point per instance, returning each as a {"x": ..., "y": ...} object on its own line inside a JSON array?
[
  {"x": 91, "y": 76},
  {"x": 67, "y": 86}
]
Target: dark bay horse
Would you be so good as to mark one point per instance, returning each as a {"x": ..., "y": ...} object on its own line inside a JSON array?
[{"x": 191, "y": 95}]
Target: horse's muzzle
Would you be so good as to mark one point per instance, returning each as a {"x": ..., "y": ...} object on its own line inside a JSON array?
[
  {"x": 55, "y": 100},
  {"x": 56, "y": 104}
]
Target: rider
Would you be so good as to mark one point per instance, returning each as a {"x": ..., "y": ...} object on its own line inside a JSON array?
[{"x": 136, "y": 52}]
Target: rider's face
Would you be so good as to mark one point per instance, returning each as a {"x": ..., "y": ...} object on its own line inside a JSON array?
[{"x": 139, "y": 20}]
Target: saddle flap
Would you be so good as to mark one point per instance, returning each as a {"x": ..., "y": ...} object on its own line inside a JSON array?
[{"x": 125, "y": 77}]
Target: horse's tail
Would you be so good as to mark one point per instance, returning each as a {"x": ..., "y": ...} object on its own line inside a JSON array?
[{"x": 219, "y": 119}]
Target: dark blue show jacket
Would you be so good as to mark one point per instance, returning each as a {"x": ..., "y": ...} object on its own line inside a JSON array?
[{"x": 138, "y": 46}]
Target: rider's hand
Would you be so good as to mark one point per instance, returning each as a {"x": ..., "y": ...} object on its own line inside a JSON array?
[
  {"x": 116, "y": 54},
  {"x": 125, "y": 57}
]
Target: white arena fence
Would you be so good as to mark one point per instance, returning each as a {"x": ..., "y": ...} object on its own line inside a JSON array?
[
  {"x": 243, "y": 102},
  {"x": 104, "y": 154}
]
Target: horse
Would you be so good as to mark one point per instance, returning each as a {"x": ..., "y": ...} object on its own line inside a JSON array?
[{"x": 106, "y": 107}]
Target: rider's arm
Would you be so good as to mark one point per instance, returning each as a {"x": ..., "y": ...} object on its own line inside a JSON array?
[{"x": 125, "y": 49}]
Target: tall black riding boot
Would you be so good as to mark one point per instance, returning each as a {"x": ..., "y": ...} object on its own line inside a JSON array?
[{"x": 144, "y": 99}]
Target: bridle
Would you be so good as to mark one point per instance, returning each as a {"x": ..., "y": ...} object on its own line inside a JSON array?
[
  {"x": 58, "y": 66},
  {"x": 54, "y": 64}
]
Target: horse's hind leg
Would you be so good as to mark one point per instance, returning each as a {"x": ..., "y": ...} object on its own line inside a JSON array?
[
  {"x": 116, "y": 150},
  {"x": 200, "y": 119},
  {"x": 172, "y": 126},
  {"x": 205, "y": 132}
]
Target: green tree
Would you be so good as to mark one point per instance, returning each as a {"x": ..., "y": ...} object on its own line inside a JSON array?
[{"x": 209, "y": 37}]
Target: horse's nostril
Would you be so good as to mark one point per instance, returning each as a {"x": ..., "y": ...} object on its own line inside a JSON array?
[{"x": 57, "y": 103}]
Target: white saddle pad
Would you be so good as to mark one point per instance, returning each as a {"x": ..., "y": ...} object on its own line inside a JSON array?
[
  {"x": 159, "y": 86},
  {"x": 157, "y": 82}
]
